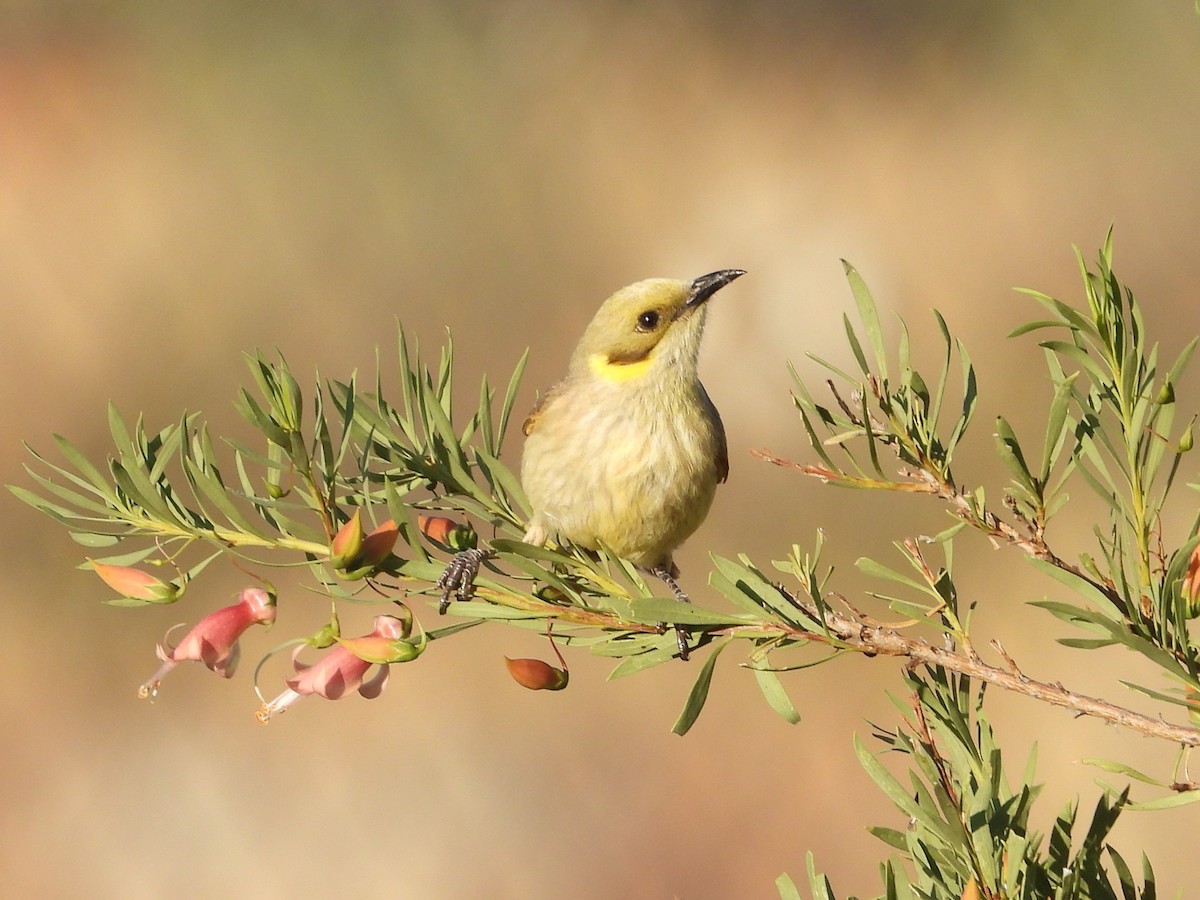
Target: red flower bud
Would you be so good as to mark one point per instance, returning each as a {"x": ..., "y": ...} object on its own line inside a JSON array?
[{"x": 537, "y": 675}]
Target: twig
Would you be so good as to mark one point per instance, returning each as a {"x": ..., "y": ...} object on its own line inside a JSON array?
[
  {"x": 879, "y": 640},
  {"x": 827, "y": 475},
  {"x": 925, "y": 482}
]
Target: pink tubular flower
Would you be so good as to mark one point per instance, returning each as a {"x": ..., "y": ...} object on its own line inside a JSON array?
[
  {"x": 343, "y": 669},
  {"x": 214, "y": 639}
]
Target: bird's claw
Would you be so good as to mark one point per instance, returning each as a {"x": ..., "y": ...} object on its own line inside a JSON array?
[
  {"x": 457, "y": 581},
  {"x": 681, "y": 638},
  {"x": 681, "y": 635}
]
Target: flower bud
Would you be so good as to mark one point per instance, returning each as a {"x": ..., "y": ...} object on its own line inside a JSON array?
[
  {"x": 377, "y": 546},
  {"x": 437, "y": 528},
  {"x": 355, "y": 555},
  {"x": 457, "y": 536},
  {"x": 1190, "y": 589},
  {"x": 347, "y": 543},
  {"x": 551, "y": 594},
  {"x": 536, "y": 675},
  {"x": 276, "y": 491},
  {"x": 135, "y": 584},
  {"x": 383, "y": 651}
]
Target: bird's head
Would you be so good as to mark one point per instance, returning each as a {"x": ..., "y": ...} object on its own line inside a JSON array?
[{"x": 653, "y": 323}]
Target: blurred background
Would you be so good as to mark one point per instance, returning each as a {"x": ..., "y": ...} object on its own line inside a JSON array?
[{"x": 183, "y": 182}]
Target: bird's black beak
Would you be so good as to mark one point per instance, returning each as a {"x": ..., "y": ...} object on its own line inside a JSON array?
[{"x": 707, "y": 285}]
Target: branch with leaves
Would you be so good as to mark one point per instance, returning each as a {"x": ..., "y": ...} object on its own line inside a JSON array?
[{"x": 370, "y": 490}]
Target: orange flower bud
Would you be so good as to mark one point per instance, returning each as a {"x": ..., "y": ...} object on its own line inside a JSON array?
[
  {"x": 458, "y": 536},
  {"x": 437, "y": 528},
  {"x": 347, "y": 543},
  {"x": 377, "y": 546},
  {"x": 536, "y": 675},
  {"x": 136, "y": 584},
  {"x": 356, "y": 555},
  {"x": 1191, "y": 584}
]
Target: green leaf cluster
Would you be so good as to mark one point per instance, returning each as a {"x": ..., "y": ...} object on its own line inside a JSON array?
[{"x": 968, "y": 825}]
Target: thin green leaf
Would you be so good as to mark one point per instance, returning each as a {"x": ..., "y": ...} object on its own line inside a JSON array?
[
  {"x": 699, "y": 693},
  {"x": 1118, "y": 768},
  {"x": 510, "y": 397},
  {"x": 1081, "y": 358},
  {"x": 776, "y": 695},
  {"x": 666, "y": 650},
  {"x": 651, "y": 610},
  {"x": 101, "y": 484},
  {"x": 1037, "y": 325},
  {"x": 1079, "y": 585},
  {"x": 94, "y": 541},
  {"x": 1069, "y": 315},
  {"x": 787, "y": 888},
  {"x": 869, "y": 315},
  {"x": 1170, "y": 801},
  {"x": 1056, "y": 425},
  {"x": 1013, "y": 457}
]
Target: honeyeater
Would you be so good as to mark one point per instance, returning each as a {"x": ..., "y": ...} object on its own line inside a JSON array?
[{"x": 625, "y": 452}]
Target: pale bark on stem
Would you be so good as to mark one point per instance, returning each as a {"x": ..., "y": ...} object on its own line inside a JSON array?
[{"x": 880, "y": 640}]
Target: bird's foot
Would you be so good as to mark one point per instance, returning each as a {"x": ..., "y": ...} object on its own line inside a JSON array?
[
  {"x": 681, "y": 635},
  {"x": 457, "y": 582}
]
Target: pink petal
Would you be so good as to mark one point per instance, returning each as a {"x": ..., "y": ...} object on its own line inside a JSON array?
[
  {"x": 333, "y": 675},
  {"x": 296, "y": 664},
  {"x": 228, "y": 665},
  {"x": 334, "y": 687},
  {"x": 373, "y": 688}
]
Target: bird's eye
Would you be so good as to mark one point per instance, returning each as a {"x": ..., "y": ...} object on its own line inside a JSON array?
[{"x": 648, "y": 320}]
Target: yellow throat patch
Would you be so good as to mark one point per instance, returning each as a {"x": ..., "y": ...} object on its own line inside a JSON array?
[{"x": 619, "y": 372}]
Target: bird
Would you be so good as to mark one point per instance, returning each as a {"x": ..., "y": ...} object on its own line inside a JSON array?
[{"x": 626, "y": 451}]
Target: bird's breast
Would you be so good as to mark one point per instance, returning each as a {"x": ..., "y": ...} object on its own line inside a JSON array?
[{"x": 629, "y": 467}]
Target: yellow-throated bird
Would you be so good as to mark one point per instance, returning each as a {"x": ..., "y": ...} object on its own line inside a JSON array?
[{"x": 625, "y": 452}]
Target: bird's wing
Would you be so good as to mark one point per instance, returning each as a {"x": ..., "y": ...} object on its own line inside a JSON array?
[
  {"x": 722, "y": 457},
  {"x": 722, "y": 454},
  {"x": 544, "y": 403},
  {"x": 722, "y": 450}
]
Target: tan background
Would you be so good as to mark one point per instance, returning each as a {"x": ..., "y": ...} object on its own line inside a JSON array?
[{"x": 182, "y": 183}]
